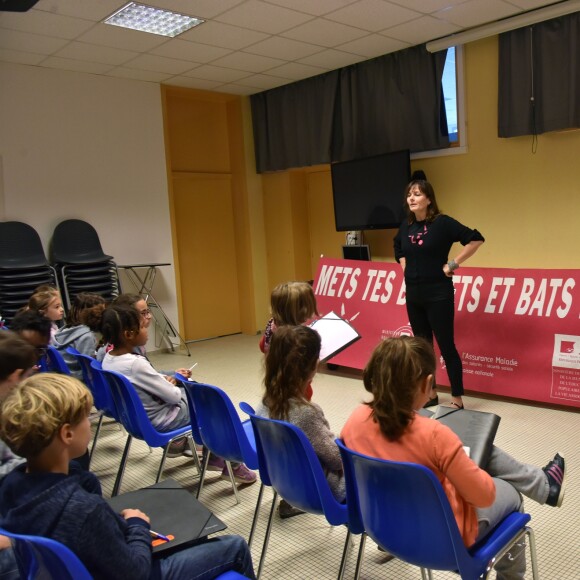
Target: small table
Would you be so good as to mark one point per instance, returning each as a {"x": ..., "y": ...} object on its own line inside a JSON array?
[{"x": 142, "y": 276}]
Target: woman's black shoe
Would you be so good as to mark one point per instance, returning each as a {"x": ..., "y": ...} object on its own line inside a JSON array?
[{"x": 432, "y": 402}]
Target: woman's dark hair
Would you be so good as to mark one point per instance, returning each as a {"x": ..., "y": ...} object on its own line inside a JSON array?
[
  {"x": 32, "y": 320},
  {"x": 427, "y": 189},
  {"x": 86, "y": 309},
  {"x": 290, "y": 364},
  {"x": 392, "y": 375},
  {"x": 118, "y": 319},
  {"x": 15, "y": 354}
]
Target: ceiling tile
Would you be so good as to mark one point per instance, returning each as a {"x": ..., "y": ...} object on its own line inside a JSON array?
[
  {"x": 95, "y": 53},
  {"x": 331, "y": 59},
  {"x": 160, "y": 64},
  {"x": 26, "y": 42},
  {"x": 138, "y": 75},
  {"x": 86, "y": 9},
  {"x": 45, "y": 23},
  {"x": 296, "y": 71},
  {"x": 20, "y": 57},
  {"x": 317, "y": 8},
  {"x": 216, "y": 73},
  {"x": 76, "y": 65},
  {"x": 236, "y": 89},
  {"x": 263, "y": 17},
  {"x": 530, "y": 4},
  {"x": 117, "y": 37},
  {"x": 193, "y": 51},
  {"x": 475, "y": 12},
  {"x": 324, "y": 32},
  {"x": 191, "y": 83},
  {"x": 421, "y": 30},
  {"x": 373, "y": 15},
  {"x": 224, "y": 35},
  {"x": 284, "y": 48},
  {"x": 264, "y": 82},
  {"x": 201, "y": 8},
  {"x": 373, "y": 45},
  {"x": 248, "y": 62},
  {"x": 428, "y": 6}
]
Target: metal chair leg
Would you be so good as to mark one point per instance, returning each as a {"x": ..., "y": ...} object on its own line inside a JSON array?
[
  {"x": 234, "y": 486},
  {"x": 97, "y": 431},
  {"x": 533, "y": 553},
  {"x": 162, "y": 464},
  {"x": 121, "y": 471},
  {"x": 256, "y": 512},
  {"x": 345, "y": 552},
  {"x": 361, "y": 554},
  {"x": 267, "y": 536},
  {"x": 203, "y": 471}
]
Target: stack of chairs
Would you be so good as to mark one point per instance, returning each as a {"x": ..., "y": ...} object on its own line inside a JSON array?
[
  {"x": 80, "y": 263},
  {"x": 23, "y": 267}
]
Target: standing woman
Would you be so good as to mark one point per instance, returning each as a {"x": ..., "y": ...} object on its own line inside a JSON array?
[{"x": 422, "y": 247}]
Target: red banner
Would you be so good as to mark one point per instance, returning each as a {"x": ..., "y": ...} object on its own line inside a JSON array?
[{"x": 515, "y": 330}]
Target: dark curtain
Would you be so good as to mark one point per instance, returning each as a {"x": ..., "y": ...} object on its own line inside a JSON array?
[
  {"x": 539, "y": 78},
  {"x": 385, "y": 104},
  {"x": 390, "y": 103},
  {"x": 293, "y": 124}
]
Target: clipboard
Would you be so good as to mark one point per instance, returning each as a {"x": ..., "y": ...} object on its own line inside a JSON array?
[
  {"x": 335, "y": 333},
  {"x": 173, "y": 511},
  {"x": 476, "y": 429}
]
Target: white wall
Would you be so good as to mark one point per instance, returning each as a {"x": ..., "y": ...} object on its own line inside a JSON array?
[{"x": 76, "y": 145}]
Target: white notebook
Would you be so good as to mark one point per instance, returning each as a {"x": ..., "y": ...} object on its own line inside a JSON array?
[{"x": 336, "y": 334}]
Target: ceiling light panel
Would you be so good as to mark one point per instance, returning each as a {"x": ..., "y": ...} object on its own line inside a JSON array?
[{"x": 150, "y": 19}]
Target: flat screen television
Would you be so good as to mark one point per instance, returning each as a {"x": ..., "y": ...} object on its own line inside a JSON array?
[{"x": 368, "y": 193}]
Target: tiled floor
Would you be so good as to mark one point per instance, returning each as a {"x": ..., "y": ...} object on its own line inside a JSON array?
[{"x": 306, "y": 546}]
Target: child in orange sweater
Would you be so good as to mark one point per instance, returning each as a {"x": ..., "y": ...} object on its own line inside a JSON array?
[{"x": 400, "y": 375}]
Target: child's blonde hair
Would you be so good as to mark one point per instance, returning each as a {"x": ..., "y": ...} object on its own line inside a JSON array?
[
  {"x": 38, "y": 407},
  {"x": 293, "y": 303},
  {"x": 40, "y": 301}
]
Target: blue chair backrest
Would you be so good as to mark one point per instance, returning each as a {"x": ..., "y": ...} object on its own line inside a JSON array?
[
  {"x": 46, "y": 558},
  {"x": 94, "y": 381},
  {"x": 289, "y": 464},
  {"x": 219, "y": 424},
  {"x": 195, "y": 432},
  {"x": 52, "y": 362},
  {"x": 404, "y": 509},
  {"x": 355, "y": 521},
  {"x": 129, "y": 408}
]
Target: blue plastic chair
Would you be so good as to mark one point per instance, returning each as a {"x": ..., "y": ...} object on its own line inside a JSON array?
[
  {"x": 100, "y": 390},
  {"x": 289, "y": 465},
  {"x": 404, "y": 509},
  {"x": 36, "y": 555},
  {"x": 131, "y": 413},
  {"x": 221, "y": 429},
  {"x": 52, "y": 362}
]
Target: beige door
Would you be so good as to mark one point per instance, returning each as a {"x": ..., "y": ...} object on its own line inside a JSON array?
[{"x": 204, "y": 224}]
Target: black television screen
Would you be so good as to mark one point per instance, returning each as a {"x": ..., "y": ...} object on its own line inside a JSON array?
[{"x": 368, "y": 193}]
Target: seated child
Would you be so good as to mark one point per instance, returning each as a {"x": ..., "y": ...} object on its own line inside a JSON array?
[
  {"x": 45, "y": 419},
  {"x": 48, "y": 302},
  {"x": 35, "y": 328},
  {"x": 400, "y": 375},
  {"x": 164, "y": 402},
  {"x": 291, "y": 364},
  {"x": 292, "y": 303},
  {"x": 83, "y": 320}
]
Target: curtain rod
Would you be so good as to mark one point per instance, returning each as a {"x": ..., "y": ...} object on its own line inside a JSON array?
[{"x": 505, "y": 25}]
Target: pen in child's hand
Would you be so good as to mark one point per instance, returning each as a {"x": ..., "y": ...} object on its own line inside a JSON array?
[{"x": 159, "y": 536}]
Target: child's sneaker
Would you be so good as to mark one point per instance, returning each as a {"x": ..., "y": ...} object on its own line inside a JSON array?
[
  {"x": 215, "y": 463},
  {"x": 555, "y": 472},
  {"x": 177, "y": 447},
  {"x": 287, "y": 510},
  {"x": 241, "y": 474}
]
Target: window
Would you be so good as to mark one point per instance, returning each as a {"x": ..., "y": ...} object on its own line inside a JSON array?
[{"x": 449, "y": 82}]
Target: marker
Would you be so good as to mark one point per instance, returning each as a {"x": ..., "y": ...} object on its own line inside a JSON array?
[
  {"x": 159, "y": 536},
  {"x": 192, "y": 366}
]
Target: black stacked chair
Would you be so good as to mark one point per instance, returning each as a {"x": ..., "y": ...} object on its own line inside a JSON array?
[
  {"x": 23, "y": 267},
  {"x": 81, "y": 265}
]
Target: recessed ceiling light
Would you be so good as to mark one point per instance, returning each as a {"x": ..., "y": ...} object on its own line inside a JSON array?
[{"x": 150, "y": 19}]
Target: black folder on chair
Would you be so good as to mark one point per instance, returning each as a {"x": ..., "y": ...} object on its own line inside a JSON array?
[
  {"x": 173, "y": 511},
  {"x": 476, "y": 430}
]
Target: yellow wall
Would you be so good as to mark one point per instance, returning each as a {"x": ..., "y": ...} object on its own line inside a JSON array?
[{"x": 525, "y": 204}]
